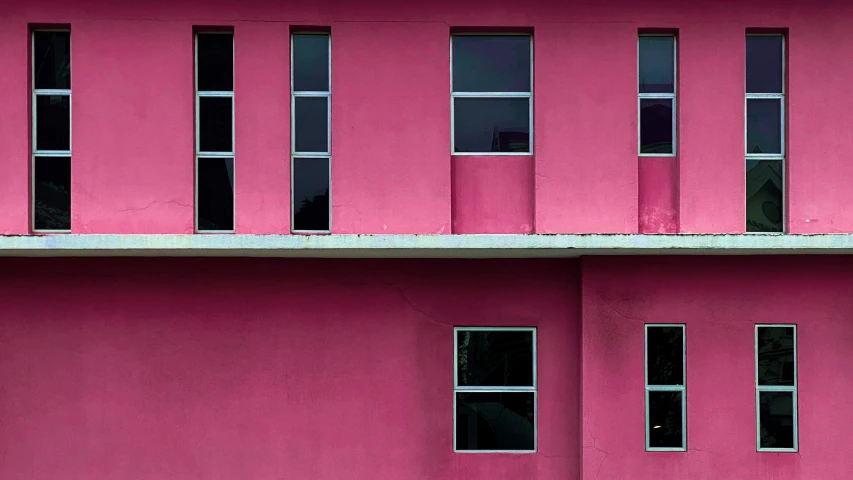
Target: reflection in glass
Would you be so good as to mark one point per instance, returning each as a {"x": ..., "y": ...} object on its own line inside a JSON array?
[
  {"x": 491, "y": 63},
  {"x": 53, "y": 122},
  {"x": 764, "y": 70},
  {"x": 776, "y": 419},
  {"x": 310, "y": 63},
  {"x": 775, "y": 356},
  {"x": 52, "y": 60},
  {"x": 494, "y": 358},
  {"x": 495, "y": 421},
  {"x": 657, "y": 64},
  {"x": 214, "y": 116},
  {"x": 52, "y": 193},
  {"x": 215, "y": 194},
  {"x": 215, "y": 54},
  {"x": 491, "y": 124},
  {"x": 764, "y": 187},
  {"x": 665, "y": 350},
  {"x": 665, "y": 420},
  {"x": 311, "y": 124},
  {"x": 763, "y": 125},
  {"x": 656, "y": 125},
  {"x": 311, "y": 194}
]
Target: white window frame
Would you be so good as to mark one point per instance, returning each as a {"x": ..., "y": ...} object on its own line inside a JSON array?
[
  {"x": 511, "y": 389},
  {"x": 314, "y": 156},
  {"x": 659, "y": 96},
  {"x": 199, "y": 154},
  {"x": 769, "y": 156},
  {"x": 45, "y": 92},
  {"x": 455, "y": 95},
  {"x": 666, "y": 388},
  {"x": 776, "y": 388}
]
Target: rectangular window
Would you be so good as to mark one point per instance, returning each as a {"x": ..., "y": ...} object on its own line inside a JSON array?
[
  {"x": 776, "y": 387},
  {"x": 311, "y": 150},
  {"x": 656, "y": 87},
  {"x": 51, "y": 130},
  {"x": 666, "y": 401},
  {"x": 494, "y": 394},
  {"x": 214, "y": 123},
  {"x": 765, "y": 133},
  {"x": 491, "y": 85}
]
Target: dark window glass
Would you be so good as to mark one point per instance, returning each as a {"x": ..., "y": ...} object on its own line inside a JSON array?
[
  {"x": 215, "y": 62},
  {"x": 656, "y": 125},
  {"x": 657, "y": 64},
  {"x": 491, "y": 124},
  {"x": 776, "y": 419},
  {"x": 495, "y": 421},
  {"x": 52, "y": 192},
  {"x": 311, "y": 125},
  {"x": 214, "y": 117},
  {"x": 52, "y": 60},
  {"x": 776, "y": 356},
  {"x": 665, "y": 420},
  {"x": 216, "y": 194},
  {"x": 764, "y": 187},
  {"x": 494, "y": 358},
  {"x": 764, "y": 59},
  {"x": 763, "y": 125},
  {"x": 491, "y": 63},
  {"x": 310, "y": 63},
  {"x": 665, "y": 355},
  {"x": 53, "y": 122},
  {"x": 311, "y": 194}
]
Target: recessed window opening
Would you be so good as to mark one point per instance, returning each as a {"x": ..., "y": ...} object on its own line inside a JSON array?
[
  {"x": 776, "y": 388},
  {"x": 666, "y": 401},
  {"x": 657, "y": 94}
]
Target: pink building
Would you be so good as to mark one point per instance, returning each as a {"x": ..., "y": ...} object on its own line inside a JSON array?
[{"x": 425, "y": 241}]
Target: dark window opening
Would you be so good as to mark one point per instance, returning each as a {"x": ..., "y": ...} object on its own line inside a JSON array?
[
  {"x": 52, "y": 193},
  {"x": 215, "y": 194}
]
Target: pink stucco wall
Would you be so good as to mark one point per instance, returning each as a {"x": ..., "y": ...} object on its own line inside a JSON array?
[
  {"x": 392, "y": 171},
  {"x": 269, "y": 369}
]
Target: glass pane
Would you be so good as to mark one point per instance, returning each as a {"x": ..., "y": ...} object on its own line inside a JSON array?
[
  {"x": 311, "y": 194},
  {"x": 776, "y": 419},
  {"x": 775, "y": 355},
  {"x": 52, "y": 60},
  {"x": 310, "y": 63},
  {"x": 764, "y": 200},
  {"x": 491, "y": 63},
  {"x": 494, "y": 358},
  {"x": 656, "y": 126},
  {"x": 53, "y": 122},
  {"x": 665, "y": 420},
  {"x": 764, "y": 125},
  {"x": 215, "y": 194},
  {"x": 764, "y": 59},
  {"x": 52, "y": 193},
  {"x": 491, "y": 125},
  {"x": 665, "y": 351},
  {"x": 657, "y": 64},
  {"x": 311, "y": 124},
  {"x": 495, "y": 421},
  {"x": 214, "y": 118},
  {"x": 215, "y": 62}
]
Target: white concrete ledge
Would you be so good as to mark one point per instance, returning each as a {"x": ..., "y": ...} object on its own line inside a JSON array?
[{"x": 419, "y": 246}]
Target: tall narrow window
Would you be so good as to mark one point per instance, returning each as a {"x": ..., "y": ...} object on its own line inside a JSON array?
[
  {"x": 310, "y": 136},
  {"x": 776, "y": 387},
  {"x": 666, "y": 402},
  {"x": 214, "y": 123},
  {"x": 51, "y": 131},
  {"x": 656, "y": 78},
  {"x": 494, "y": 396},
  {"x": 491, "y": 94},
  {"x": 765, "y": 133}
]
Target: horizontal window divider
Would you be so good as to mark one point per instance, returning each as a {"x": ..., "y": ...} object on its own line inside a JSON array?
[
  {"x": 657, "y": 95},
  {"x": 498, "y": 329},
  {"x": 494, "y": 451},
  {"x": 776, "y": 388},
  {"x": 215, "y": 94},
  {"x": 666, "y": 449},
  {"x": 781, "y": 450},
  {"x": 653, "y": 155},
  {"x": 765, "y": 96},
  {"x": 41, "y": 230},
  {"x": 665, "y": 388},
  {"x": 317, "y": 155},
  {"x": 312, "y": 94},
  {"x": 214, "y": 154},
  {"x": 44, "y": 92},
  {"x": 491, "y": 94},
  {"x": 491, "y": 154},
  {"x": 52, "y": 153},
  {"x": 494, "y": 389},
  {"x": 765, "y": 156}
]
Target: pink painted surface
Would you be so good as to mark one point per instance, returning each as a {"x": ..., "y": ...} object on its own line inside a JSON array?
[
  {"x": 658, "y": 194},
  {"x": 492, "y": 194},
  {"x": 14, "y": 128},
  {"x": 719, "y": 300},
  {"x": 168, "y": 369}
]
